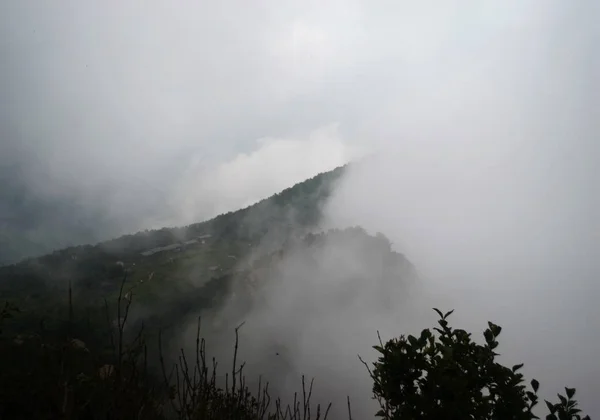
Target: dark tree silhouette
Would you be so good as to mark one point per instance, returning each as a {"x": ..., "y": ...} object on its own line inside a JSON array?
[{"x": 444, "y": 374}]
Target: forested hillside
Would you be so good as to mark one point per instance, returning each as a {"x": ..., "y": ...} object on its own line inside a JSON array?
[
  {"x": 101, "y": 331},
  {"x": 165, "y": 264}
]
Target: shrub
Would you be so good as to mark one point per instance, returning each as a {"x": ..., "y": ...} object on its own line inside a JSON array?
[
  {"x": 444, "y": 374},
  {"x": 439, "y": 375}
]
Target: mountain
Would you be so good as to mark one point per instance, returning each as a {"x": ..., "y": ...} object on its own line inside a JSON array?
[
  {"x": 175, "y": 273},
  {"x": 270, "y": 264},
  {"x": 190, "y": 251},
  {"x": 36, "y": 222}
]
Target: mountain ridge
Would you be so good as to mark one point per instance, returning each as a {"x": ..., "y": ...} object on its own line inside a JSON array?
[
  {"x": 194, "y": 255},
  {"x": 222, "y": 225},
  {"x": 176, "y": 273}
]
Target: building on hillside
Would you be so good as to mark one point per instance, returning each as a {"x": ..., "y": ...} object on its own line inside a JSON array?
[{"x": 161, "y": 249}]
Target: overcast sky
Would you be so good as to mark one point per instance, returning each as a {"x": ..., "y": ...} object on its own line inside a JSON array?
[
  {"x": 129, "y": 97},
  {"x": 133, "y": 106},
  {"x": 484, "y": 114},
  {"x": 122, "y": 100}
]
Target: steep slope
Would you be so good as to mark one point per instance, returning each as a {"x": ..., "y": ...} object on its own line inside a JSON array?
[
  {"x": 165, "y": 262},
  {"x": 298, "y": 305},
  {"x": 224, "y": 267},
  {"x": 333, "y": 268},
  {"x": 270, "y": 265}
]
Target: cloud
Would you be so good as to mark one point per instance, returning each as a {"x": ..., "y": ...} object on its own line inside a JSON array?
[
  {"x": 113, "y": 106},
  {"x": 276, "y": 164},
  {"x": 483, "y": 176},
  {"x": 484, "y": 116},
  {"x": 309, "y": 312},
  {"x": 484, "y": 179}
]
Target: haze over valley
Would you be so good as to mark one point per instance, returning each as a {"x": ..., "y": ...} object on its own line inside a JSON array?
[{"x": 319, "y": 171}]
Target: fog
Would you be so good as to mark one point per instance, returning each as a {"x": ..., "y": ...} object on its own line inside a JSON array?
[
  {"x": 487, "y": 182},
  {"x": 482, "y": 120},
  {"x": 127, "y": 117},
  {"x": 311, "y": 312}
]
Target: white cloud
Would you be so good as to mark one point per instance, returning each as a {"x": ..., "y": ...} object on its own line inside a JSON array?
[
  {"x": 274, "y": 165},
  {"x": 486, "y": 114}
]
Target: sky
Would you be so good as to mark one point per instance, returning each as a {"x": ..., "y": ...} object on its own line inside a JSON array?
[
  {"x": 144, "y": 109},
  {"x": 482, "y": 117}
]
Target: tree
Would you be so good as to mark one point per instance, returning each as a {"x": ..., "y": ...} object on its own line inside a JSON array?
[{"x": 444, "y": 374}]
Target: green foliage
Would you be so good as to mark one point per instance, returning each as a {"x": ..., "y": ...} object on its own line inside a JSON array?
[
  {"x": 89, "y": 368},
  {"x": 39, "y": 284},
  {"x": 48, "y": 376},
  {"x": 439, "y": 374},
  {"x": 444, "y": 374}
]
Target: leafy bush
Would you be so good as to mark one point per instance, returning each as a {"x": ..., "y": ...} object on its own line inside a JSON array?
[
  {"x": 439, "y": 375},
  {"x": 447, "y": 375}
]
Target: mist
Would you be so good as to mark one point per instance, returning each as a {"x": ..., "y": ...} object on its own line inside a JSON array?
[
  {"x": 310, "y": 311},
  {"x": 481, "y": 120},
  {"x": 483, "y": 175},
  {"x": 117, "y": 118},
  {"x": 488, "y": 184}
]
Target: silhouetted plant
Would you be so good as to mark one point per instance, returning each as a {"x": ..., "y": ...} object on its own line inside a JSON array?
[
  {"x": 59, "y": 376},
  {"x": 447, "y": 375},
  {"x": 442, "y": 374}
]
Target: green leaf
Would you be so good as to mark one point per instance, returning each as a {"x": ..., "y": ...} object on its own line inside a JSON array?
[
  {"x": 439, "y": 312},
  {"x": 495, "y": 329},
  {"x": 425, "y": 334},
  {"x": 551, "y": 406},
  {"x": 570, "y": 392},
  {"x": 517, "y": 367},
  {"x": 535, "y": 385},
  {"x": 563, "y": 400},
  {"x": 447, "y": 314}
]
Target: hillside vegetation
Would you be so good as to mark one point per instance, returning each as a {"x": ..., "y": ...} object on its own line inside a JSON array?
[
  {"x": 166, "y": 263},
  {"x": 85, "y": 331}
]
